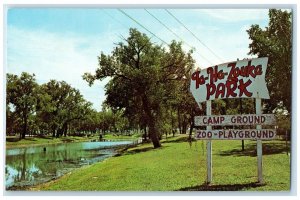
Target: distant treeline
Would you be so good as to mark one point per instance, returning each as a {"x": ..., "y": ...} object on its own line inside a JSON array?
[{"x": 54, "y": 108}]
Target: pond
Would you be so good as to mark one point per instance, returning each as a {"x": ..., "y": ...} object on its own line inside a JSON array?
[{"x": 34, "y": 165}]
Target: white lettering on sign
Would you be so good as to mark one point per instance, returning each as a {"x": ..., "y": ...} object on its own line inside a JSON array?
[
  {"x": 245, "y": 78},
  {"x": 222, "y": 120},
  {"x": 246, "y": 134}
]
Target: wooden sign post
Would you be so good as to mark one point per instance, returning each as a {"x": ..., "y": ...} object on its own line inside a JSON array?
[
  {"x": 259, "y": 144},
  {"x": 240, "y": 79},
  {"x": 209, "y": 147}
]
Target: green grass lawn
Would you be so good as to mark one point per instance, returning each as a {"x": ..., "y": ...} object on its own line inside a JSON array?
[{"x": 177, "y": 166}]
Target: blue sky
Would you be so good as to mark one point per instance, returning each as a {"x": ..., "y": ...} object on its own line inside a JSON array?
[{"x": 63, "y": 43}]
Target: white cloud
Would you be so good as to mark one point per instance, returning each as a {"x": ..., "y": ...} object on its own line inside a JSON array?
[{"x": 58, "y": 56}]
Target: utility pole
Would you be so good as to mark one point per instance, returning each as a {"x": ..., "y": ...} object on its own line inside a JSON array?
[{"x": 241, "y": 112}]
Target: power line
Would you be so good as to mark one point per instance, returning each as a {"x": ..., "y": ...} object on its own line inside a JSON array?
[
  {"x": 142, "y": 26},
  {"x": 167, "y": 27},
  {"x": 175, "y": 34},
  {"x": 107, "y": 13},
  {"x": 193, "y": 34},
  {"x": 151, "y": 31},
  {"x": 114, "y": 18}
]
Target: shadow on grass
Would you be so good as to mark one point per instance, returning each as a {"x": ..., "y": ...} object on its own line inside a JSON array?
[
  {"x": 67, "y": 140},
  {"x": 141, "y": 150},
  {"x": 12, "y": 139},
  {"x": 250, "y": 150},
  {"x": 178, "y": 140},
  {"x": 16, "y": 139},
  {"x": 145, "y": 149},
  {"x": 234, "y": 187},
  {"x": 34, "y": 138}
]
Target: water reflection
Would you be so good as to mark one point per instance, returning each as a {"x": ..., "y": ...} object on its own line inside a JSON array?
[{"x": 34, "y": 165}]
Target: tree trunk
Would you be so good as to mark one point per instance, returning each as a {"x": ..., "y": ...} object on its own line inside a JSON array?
[
  {"x": 184, "y": 126},
  {"x": 145, "y": 133},
  {"x": 69, "y": 130},
  {"x": 192, "y": 123},
  {"x": 58, "y": 132},
  {"x": 24, "y": 128},
  {"x": 191, "y": 126},
  {"x": 65, "y": 129},
  {"x": 153, "y": 133},
  {"x": 151, "y": 122},
  {"x": 53, "y": 132},
  {"x": 179, "y": 121}
]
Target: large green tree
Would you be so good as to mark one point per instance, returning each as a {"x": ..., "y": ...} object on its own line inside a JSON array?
[
  {"x": 21, "y": 96},
  {"x": 142, "y": 75},
  {"x": 275, "y": 42},
  {"x": 59, "y": 104}
]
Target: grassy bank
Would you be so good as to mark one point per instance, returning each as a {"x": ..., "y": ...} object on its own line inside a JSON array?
[
  {"x": 121, "y": 137},
  {"x": 179, "y": 166},
  {"x": 12, "y": 142},
  {"x": 29, "y": 141}
]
